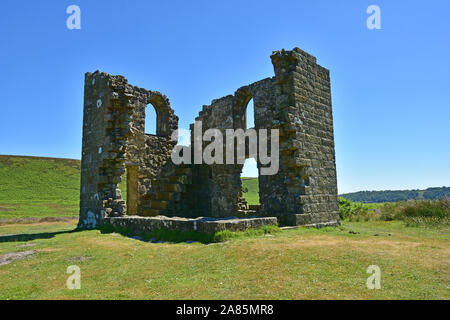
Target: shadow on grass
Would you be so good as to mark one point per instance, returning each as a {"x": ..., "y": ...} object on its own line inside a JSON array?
[
  {"x": 176, "y": 236},
  {"x": 34, "y": 236},
  {"x": 30, "y": 220},
  {"x": 161, "y": 235}
]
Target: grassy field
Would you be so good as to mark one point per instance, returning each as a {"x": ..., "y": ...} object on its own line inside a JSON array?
[
  {"x": 250, "y": 189},
  {"x": 329, "y": 263},
  {"x": 38, "y": 187}
]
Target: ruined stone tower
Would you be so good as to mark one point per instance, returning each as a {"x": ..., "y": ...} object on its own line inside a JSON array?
[{"x": 296, "y": 101}]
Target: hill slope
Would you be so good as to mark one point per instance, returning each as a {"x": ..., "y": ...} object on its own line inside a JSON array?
[
  {"x": 38, "y": 187},
  {"x": 250, "y": 190}
]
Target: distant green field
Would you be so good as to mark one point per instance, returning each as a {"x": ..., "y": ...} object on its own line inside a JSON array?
[
  {"x": 38, "y": 187},
  {"x": 250, "y": 190}
]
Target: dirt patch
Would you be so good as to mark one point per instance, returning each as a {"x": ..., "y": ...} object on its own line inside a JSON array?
[
  {"x": 13, "y": 256},
  {"x": 78, "y": 259},
  {"x": 342, "y": 242},
  {"x": 60, "y": 209},
  {"x": 48, "y": 250},
  {"x": 36, "y": 220},
  {"x": 27, "y": 245},
  {"x": 6, "y": 209}
]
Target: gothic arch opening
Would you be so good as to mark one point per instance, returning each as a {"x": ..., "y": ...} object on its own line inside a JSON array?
[
  {"x": 250, "y": 115},
  {"x": 151, "y": 120},
  {"x": 243, "y": 102},
  {"x": 161, "y": 107}
]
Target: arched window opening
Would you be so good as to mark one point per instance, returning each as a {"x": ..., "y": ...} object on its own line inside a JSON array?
[
  {"x": 249, "y": 178},
  {"x": 250, "y": 115},
  {"x": 151, "y": 119}
]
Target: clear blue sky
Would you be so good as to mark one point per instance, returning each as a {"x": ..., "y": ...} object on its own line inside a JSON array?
[{"x": 390, "y": 87}]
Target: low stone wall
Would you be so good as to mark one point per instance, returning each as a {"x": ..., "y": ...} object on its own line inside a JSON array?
[
  {"x": 140, "y": 224},
  {"x": 323, "y": 219}
]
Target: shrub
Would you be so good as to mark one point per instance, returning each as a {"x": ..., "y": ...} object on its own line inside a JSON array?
[
  {"x": 412, "y": 212},
  {"x": 428, "y": 208},
  {"x": 423, "y": 212},
  {"x": 344, "y": 208},
  {"x": 353, "y": 211}
]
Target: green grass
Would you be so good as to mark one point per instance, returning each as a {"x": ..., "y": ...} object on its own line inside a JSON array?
[
  {"x": 328, "y": 263},
  {"x": 250, "y": 190},
  {"x": 38, "y": 187},
  {"x": 37, "y": 209},
  {"x": 33, "y": 178}
]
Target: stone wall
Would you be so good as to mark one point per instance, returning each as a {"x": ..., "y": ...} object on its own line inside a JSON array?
[
  {"x": 114, "y": 139},
  {"x": 307, "y": 157},
  {"x": 206, "y": 225},
  {"x": 297, "y": 102}
]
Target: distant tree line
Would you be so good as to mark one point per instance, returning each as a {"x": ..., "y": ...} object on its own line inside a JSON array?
[{"x": 397, "y": 195}]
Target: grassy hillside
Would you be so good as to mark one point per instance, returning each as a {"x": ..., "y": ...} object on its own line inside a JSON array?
[
  {"x": 38, "y": 187},
  {"x": 250, "y": 190}
]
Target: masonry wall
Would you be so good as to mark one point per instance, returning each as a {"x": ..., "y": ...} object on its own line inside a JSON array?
[
  {"x": 114, "y": 139},
  {"x": 307, "y": 156},
  {"x": 97, "y": 94},
  {"x": 215, "y": 187},
  {"x": 221, "y": 195},
  {"x": 297, "y": 102}
]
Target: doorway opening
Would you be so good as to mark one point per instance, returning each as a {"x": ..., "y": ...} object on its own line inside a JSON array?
[{"x": 249, "y": 178}]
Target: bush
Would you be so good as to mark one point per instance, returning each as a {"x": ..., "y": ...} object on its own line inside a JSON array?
[
  {"x": 349, "y": 210},
  {"x": 426, "y": 221},
  {"x": 412, "y": 212},
  {"x": 428, "y": 208},
  {"x": 423, "y": 212}
]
